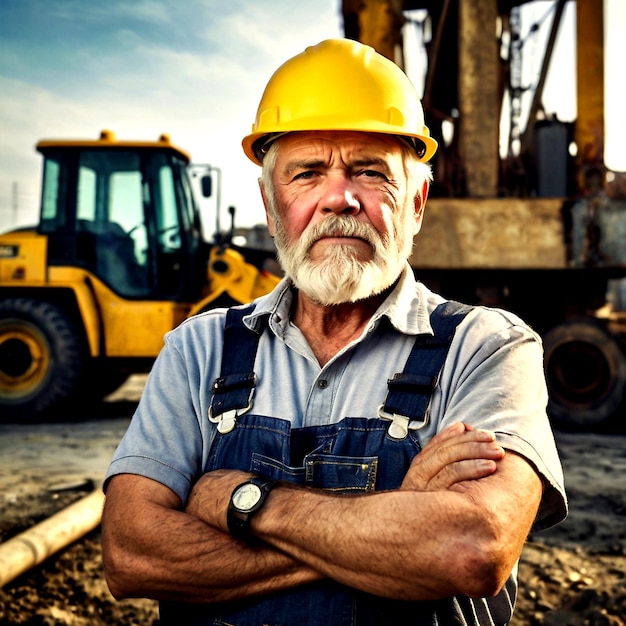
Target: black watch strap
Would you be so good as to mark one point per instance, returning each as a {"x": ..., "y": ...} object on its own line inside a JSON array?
[{"x": 238, "y": 516}]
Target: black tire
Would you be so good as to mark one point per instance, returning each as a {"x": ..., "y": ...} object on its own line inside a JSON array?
[
  {"x": 41, "y": 360},
  {"x": 104, "y": 378},
  {"x": 586, "y": 374}
]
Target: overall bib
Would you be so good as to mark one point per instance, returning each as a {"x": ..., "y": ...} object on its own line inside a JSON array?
[{"x": 354, "y": 455}]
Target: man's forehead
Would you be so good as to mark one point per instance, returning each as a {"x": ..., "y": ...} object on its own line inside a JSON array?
[{"x": 309, "y": 144}]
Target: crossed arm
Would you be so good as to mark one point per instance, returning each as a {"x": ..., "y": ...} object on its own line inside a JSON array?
[{"x": 456, "y": 526}]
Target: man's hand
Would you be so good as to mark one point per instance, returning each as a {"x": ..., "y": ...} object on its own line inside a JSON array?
[
  {"x": 210, "y": 496},
  {"x": 457, "y": 454}
]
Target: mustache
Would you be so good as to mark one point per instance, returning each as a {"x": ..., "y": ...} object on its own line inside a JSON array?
[{"x": 346, "y": 226}]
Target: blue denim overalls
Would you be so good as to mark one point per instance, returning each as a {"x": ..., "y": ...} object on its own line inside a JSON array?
[{"x": 355, "y": 455}]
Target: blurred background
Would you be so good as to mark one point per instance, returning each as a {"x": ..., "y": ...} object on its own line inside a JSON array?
[
  {"x": 527, "y": 210},
  {"x": 196, "y": 70}
]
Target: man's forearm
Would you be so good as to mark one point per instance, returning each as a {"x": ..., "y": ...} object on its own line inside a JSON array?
[
  {"x": 157, "y": 552},
  {"x": 412, "y": 545},
  {"x": 400, "y": 544},
  {"x": 380, "y": 543}
]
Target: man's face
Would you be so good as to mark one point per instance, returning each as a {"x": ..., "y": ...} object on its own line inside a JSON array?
[{"x": 343, "y": 213}]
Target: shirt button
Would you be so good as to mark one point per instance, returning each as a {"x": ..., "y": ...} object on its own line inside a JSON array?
[{"x": 322, "y": 383}]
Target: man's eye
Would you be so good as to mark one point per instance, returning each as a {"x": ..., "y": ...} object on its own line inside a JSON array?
[
  {"x": 373, "y": 174},
  {"x": 304, "y": 175}
]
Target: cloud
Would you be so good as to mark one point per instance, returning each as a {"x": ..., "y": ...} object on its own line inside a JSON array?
[
  {"x": 194, "y": 70},
  {"x": 30, "y": 113}
]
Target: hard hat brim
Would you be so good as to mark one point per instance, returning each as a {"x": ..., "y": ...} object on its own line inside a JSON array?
[{"x": 256, "y": 145}]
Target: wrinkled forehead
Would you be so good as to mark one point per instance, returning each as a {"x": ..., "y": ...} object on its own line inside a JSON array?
[{"x": 346, "y": 145}]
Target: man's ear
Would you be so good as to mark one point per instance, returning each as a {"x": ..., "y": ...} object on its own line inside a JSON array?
[
  {"x": 268, "y": 216},
  {"x": 420, "y": 203}
]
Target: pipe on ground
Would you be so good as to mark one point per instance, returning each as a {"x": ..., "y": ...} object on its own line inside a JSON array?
[{"x": 33, "y": 546}]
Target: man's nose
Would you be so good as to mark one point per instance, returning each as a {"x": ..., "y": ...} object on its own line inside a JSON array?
[{"x": 340, "y": 196}]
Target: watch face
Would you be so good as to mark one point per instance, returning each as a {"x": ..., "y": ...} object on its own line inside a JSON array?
[{"x": 246, "y": 497}]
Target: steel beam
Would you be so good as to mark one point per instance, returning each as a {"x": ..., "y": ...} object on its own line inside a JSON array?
[
  {"x": 479, "y": 120},
  {"x": 589, "y": 130}
]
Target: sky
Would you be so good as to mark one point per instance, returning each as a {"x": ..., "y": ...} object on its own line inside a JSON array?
[{"x": 194, "y": 69}]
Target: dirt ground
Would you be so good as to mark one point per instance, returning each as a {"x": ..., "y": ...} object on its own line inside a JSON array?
[{"x": 573, "y": 575}]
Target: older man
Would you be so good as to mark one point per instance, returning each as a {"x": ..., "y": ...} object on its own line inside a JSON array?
[{"x": 350, "y": 448}]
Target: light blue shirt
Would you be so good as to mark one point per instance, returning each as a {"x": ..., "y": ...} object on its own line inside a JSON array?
[{"x": 492, "y": 378}]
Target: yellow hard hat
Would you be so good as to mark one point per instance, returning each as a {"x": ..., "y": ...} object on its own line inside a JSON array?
[{"x": 339, "y": 84}]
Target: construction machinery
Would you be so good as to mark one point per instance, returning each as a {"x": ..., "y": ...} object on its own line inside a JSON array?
[
  {"x": 539, "y": 228},
  {"x": 117, "y": 260}
]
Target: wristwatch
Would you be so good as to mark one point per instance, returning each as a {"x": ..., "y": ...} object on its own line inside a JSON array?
[{"x": 245, "y": 501}]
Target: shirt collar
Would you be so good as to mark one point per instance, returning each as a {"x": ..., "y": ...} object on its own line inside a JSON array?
[{"x": 405, "y": 307}]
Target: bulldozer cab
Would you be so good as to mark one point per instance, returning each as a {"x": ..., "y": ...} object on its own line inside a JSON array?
[
  {"x": 117, "y": 260},
  {"x": 125, "y": 212}
]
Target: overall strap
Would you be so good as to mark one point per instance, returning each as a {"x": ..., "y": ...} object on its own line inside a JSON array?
[
  {"x": 409, "y": 392},
  {"x": 234, "y": 388}
]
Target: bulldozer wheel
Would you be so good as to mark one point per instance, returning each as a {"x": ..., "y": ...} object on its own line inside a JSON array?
[
  {"x": 41, "y": 359},
  {"x": 586, "y": 374}
]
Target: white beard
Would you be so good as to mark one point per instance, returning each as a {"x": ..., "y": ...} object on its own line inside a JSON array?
[{"x": 340, "y": 277}]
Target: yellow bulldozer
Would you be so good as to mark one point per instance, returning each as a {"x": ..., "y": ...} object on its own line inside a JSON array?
[{"x": 117, "y": 260}]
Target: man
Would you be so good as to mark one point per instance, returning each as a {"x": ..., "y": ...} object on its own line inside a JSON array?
[{"x": 336, "y": 453}]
